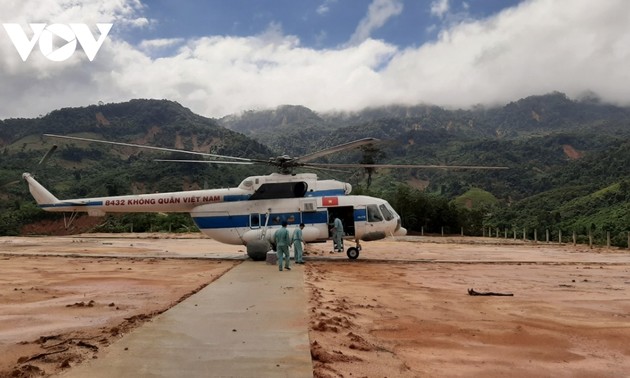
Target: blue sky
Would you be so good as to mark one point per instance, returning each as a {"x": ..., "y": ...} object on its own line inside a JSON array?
[
  {"x": 225, "y": 57},
  {"x": 318, "y": 24}
]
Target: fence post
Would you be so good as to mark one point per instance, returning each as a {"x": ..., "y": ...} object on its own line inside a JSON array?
[
  {"x": 524, "y": 235},
  {"x": 442, "y": 230},
  {"x": 535, "y": 235},
  {"x": 547, "y": 235},
  {"x": 514, "y": 234},
  {"x": 560, "y": 236},
  {"x": 421, "y": 230},
  {"x": 462, "y": 231},
  {"x": 590, "y": 238},
  {"x": 505, "y": 232},
  {"x": 574, "y": 238}
]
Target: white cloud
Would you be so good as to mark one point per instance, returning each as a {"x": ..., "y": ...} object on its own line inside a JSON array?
[
  {"x": 379, "y": 12},
  {"x": 39, "y": 85},
  {"x": 160, "y": 43},
  {"x": 439, "y": 8},
  {"x": 535, "y": 48},
  {"x": 65, "y": 11},
  {"x": 324, "y": 7}
]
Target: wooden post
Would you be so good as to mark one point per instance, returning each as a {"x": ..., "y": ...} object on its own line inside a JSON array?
[
  {"x": 422, "y": 230},
  {"x": 574, "y": 238},
  {"x": 505, "y": 233},
  {"x": 560, "y": 236},
  {"x": 462, "y": 231},
  {"x": 442, "y": 230},
  {"x": 515, "y": 234},
  {"x": 524, "y": 235},
  {"x": 497, "y": 232},
  {"x": 547, "y": 235},
  {"x": 590, "y": 238},
  {"x": 535, "y": 235}
]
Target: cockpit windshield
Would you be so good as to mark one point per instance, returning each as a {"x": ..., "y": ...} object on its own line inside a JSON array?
[
  {"x": 386, "y": 213},
  {"x": 373, "y": 214}
]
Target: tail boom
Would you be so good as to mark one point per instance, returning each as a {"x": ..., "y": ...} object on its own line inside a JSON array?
[{"x": 175, "y": 202}]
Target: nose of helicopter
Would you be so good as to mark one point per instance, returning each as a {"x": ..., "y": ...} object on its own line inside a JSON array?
[{"x": 401, "y": 232}]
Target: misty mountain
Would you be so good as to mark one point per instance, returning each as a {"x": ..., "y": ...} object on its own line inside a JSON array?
[{"x": 559, "y": 152}]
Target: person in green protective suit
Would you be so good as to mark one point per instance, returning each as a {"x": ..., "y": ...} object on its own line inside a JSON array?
[
  {"x": 297, "y": 240},
  {"x": 338, "y": 235},
  {"x": 283, "y": 241}
]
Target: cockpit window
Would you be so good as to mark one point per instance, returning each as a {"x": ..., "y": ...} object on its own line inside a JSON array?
[
  {"x": 373, "y": 214},
  {"x": 386, "y": 213}
]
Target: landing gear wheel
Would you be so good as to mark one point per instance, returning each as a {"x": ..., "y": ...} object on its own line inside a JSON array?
[
  {"x": 352, "y": 253},
  {"x": 257, "y": 249}
]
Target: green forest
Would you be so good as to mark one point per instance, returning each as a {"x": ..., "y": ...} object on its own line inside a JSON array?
[{"x": 568, "y": 162}]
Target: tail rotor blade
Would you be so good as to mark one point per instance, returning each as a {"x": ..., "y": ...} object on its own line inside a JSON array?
[{"x": 47, "y": 155}]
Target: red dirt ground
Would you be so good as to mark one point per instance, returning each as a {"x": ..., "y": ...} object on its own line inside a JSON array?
[{"x": 401, "y": 310}]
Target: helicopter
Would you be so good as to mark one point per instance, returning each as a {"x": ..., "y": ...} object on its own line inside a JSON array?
[{"x": 250, "y": 213}]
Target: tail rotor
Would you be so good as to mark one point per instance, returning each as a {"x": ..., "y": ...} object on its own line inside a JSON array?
[{"x": 47, "y": 155}]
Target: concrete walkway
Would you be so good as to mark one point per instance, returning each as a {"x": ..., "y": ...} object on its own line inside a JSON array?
[{"x": 251, "y": 322}]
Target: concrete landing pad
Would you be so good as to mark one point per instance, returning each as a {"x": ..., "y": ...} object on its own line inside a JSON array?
[{"x": 251, "y": 322}]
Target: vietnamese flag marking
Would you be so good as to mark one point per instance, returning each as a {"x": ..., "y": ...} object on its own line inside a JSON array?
[{"x": 330, "y": 201}]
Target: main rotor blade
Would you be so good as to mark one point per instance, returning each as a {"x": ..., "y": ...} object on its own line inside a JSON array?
[
  {"x": 208, "y": 161},
  {"x": 331, "y": 150},
  {"x": 402, "y": 166},
  {"x": 148, "y": 147}
]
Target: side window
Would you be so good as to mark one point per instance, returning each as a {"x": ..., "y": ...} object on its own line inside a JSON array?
[
  {"x": 373, "y": 214},
  {"x": 386, "y": 213},
  {"x": 254, "y": 221}
]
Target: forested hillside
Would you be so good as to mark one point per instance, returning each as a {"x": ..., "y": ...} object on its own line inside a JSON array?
[
  {"x": 568, "y": 160},
  {"x": 79, "y": 169},
  {"x": 559, "y": 151}
]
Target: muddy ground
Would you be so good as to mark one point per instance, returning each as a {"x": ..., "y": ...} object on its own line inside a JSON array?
[{"x": 401, "y": 310}]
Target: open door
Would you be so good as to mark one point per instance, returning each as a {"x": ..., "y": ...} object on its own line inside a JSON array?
[{"x": 346, "y": 215}]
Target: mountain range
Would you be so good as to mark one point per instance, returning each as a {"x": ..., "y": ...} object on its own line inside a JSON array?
[{"x": 563, "y": 155}]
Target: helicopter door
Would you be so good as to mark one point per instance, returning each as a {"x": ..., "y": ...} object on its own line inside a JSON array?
[{"x": 346, "y": 215}]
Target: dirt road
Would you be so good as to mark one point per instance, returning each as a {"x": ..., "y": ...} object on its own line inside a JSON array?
[{"x": 401, "y": 310}]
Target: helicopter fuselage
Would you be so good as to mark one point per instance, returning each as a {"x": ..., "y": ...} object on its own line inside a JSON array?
[{"x": 250, "y": 211}]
